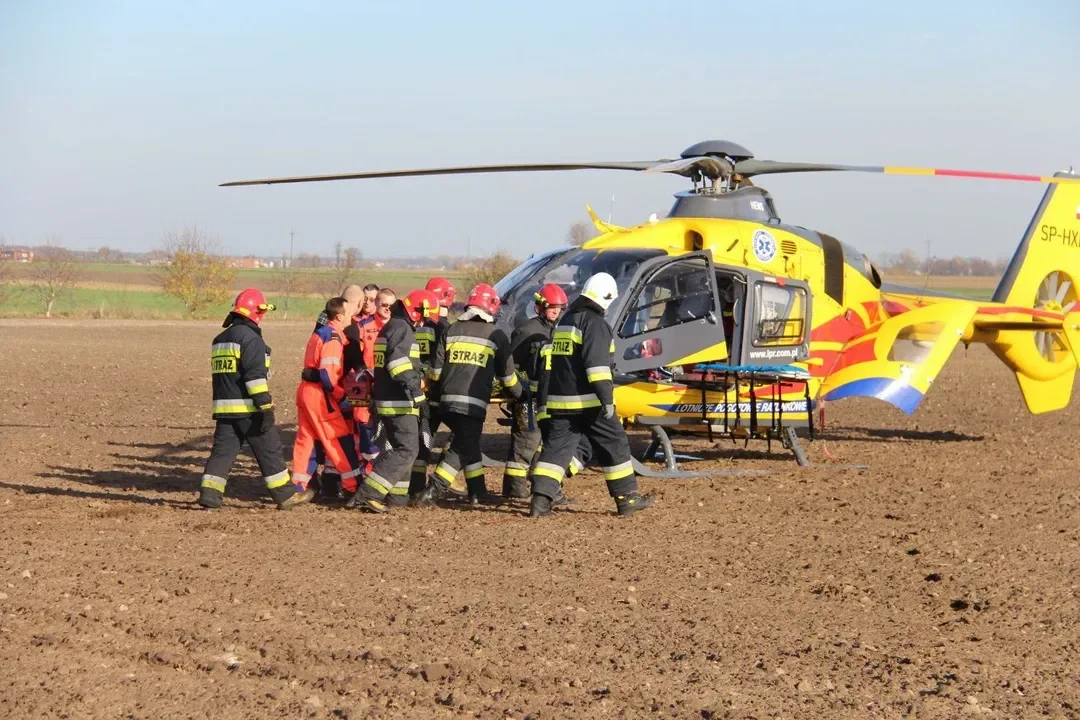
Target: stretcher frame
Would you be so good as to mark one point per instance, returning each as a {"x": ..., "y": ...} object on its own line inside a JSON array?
[{"x": 721, "y": 378}]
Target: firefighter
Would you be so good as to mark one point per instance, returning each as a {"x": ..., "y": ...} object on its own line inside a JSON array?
[
  {"x": 525, "y": 344},
  {"x": 445, "y": 291},
  {"x": 428, "y": 336},
  {"x": 584, "y": 450},
  {"x": 432, "y": 331},
  {"x": 323, "y": 415},
  {"x": 398, "y": 393},
  {"x": 244, "y": 408},
  {"x": 577, "y": 396},
  {"x": 473, "y": 354},
  {"x": 384, "y": 301}
]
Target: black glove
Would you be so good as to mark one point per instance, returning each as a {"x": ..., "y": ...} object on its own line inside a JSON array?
[{"x": 268, "y": 419}]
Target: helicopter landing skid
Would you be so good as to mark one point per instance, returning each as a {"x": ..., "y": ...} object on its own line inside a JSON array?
[
  {"x": 790, "y": 440},
  {"x": 660, "y": 448},
  {"x": 644, "y": 471}
]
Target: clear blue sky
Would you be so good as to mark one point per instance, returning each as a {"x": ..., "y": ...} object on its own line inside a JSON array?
[{"x": 119, "y": 119}]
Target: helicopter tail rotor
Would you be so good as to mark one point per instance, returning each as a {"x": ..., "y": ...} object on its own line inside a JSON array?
[{"x": 1038, "y": 297}]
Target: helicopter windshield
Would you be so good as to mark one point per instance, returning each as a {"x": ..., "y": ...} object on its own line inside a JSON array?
[
  {"x": 523, "y": 271},
  {"x": 570, "y": 273}
]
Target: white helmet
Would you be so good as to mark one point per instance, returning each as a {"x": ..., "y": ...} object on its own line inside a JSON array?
[{"x": 601, "y": 289}]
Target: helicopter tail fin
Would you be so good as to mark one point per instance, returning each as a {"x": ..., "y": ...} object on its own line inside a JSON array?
[{"x": 1039, "y": 286}]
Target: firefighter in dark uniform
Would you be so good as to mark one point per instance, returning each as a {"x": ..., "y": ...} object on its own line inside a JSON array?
[
  {"x": 577, "y": 395},
  {"x": 428, "y": 336},
  {"x": 543, "y": 422},
  {"x": 474, "y": 354},
  {"x": 398, "y": 393},
  {"x": 525, "y": 344},
  {"x": 243, "y": 407}
]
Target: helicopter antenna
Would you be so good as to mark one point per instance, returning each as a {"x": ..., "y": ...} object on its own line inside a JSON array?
[{"x": 930, "y": 262}]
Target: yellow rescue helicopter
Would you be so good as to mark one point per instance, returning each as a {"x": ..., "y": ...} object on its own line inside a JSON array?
[{"x": 731, "y": 321}]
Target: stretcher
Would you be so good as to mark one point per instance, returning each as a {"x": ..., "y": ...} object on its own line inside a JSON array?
[{"x": 738, "y": 419}]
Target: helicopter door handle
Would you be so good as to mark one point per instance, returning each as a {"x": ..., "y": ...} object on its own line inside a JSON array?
[{"x": 711, "y": 318}]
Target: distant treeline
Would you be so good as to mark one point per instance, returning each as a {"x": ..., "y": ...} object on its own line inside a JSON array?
[
  {"x": 906, "y": 261},
  {"x": 909, "y": 262},
  {"x": 302, "y": 260}
]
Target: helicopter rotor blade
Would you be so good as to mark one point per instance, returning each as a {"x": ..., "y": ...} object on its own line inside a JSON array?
[
  {"x": 753, "y": 166},
  {"x": 636, "y": 165}
]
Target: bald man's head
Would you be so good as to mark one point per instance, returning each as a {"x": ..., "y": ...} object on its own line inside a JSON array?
[{"x": 354, "y": 297}]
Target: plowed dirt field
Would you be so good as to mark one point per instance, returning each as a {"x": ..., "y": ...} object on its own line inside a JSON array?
[{"x": 941, "y": 581}]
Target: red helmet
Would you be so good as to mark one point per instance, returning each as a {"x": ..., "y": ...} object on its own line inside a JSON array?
[
  {"x": 251, "y": 303},
  {"x": 551, "y": 295},
  {"x": 443, "y": 290},
  {"x": 420, "y": 304},
  {"x": 484, "y": 297}
]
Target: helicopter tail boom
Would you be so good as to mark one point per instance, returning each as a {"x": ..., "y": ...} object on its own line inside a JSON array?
[{"x": 1042, "y": 278}]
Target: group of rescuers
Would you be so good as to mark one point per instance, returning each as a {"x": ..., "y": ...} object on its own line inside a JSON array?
[{"x": 380, "y": 375}]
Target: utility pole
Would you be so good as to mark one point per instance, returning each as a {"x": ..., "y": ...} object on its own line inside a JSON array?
[{"x": 289, "y": 270}]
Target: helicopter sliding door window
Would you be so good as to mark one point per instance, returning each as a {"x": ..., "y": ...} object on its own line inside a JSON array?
[
  {"x": 671, "y": 313},
  {"x": 781, "y": 322}
]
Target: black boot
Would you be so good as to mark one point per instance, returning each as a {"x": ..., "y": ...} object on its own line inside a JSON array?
[
  {"x": 515, "y": 487},
  {"x": 367, "y": 500},
  {"x": 436, "y": 490},
  {"x": 562, "y": 499},
  {"x": 209, "y": 498},
  {"x": 329, "y": 486},
  {"x": 541, "y": 506},
  {"x": 632, "y": 503},
  {"x": 478, "y": 493},
  {"x": 395, "y": 500}
]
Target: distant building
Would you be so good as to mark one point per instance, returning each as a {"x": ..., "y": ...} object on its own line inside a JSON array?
[
  {"x": 17, "y": 254},
  {"x": 249, "y": 263}
]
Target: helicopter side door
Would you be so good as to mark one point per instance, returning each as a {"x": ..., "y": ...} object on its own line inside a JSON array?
[
  {"x": 670, "y": 315},
  {"x": 776, "y": 321}
]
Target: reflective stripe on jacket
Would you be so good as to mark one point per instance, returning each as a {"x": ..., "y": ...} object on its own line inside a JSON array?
[
  {"x": 239, "y": 366},
  {"x": 397, "y": 368},
  {"x": 578, "y": 362},
  {"x": 473, "y": 354}
]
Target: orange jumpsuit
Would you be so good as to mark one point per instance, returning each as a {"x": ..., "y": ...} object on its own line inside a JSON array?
[
  {"x": 368, "y": 328},
  {"x": 320, "y": 420}
]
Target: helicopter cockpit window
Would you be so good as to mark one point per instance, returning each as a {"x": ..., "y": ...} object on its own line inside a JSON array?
[
  {"x": 679, "y": 292},
  {"x": 523, "y": 271},
  {"x": 779, "y": 315},
  {"x": 571, "y": 273}
]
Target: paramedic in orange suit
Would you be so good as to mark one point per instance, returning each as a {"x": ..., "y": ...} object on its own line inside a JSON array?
[{"x": 320, "y": 404}]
